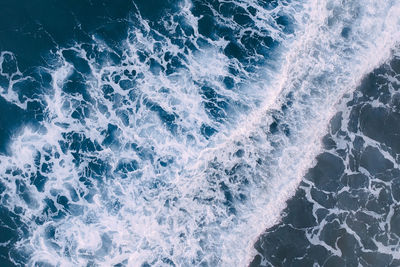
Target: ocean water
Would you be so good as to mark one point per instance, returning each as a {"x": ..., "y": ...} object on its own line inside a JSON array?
[
  {"x": 346, "y": 209},
  {"x": 199, "y": 133}
]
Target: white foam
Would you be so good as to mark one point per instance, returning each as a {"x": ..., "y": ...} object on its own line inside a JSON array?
[{"x": 179, "y": 212}]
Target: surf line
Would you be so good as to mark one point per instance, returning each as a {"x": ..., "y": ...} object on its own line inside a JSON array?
[{"x": 321, "y": 66}]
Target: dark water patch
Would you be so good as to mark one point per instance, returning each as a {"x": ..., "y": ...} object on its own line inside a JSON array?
[
  {"x": 380, "y": 124},
  {"x": 48, "y": 24},
  {"x": 39, "y": 180},
  {"x": 80, "y": 64},
  {"x": 326, "y": 173},
  {"x": 345, "y": 32},
  {"x": 11, "y": 229},
  {"x": 155, "y": 9},
  {"x": 332, "y": 207},
  {"x": 111, "y": 136},
  {"x": 207, "y": 26},
  {"x": 285, "y": 243},
  {"x": 284, "y": 21},
  {"x": 9, "y": 65},
  {"x": 300, "y": 215},
  {"x": 374, "y": 161},
  {"x": 328, "y": 142},
  {"x": 207, "y": 131},
  {"x": 76, "y": 85},
  {"x": 11, "y": 118}
]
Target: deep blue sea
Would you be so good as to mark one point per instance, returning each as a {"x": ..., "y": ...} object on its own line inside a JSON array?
[{"x": 199, "y": 133}]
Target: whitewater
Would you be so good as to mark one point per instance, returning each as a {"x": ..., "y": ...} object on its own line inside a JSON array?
[{"x": 137, "y": 161}]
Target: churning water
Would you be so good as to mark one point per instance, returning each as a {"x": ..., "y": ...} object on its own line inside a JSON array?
[{"x": 173, "y": 133}]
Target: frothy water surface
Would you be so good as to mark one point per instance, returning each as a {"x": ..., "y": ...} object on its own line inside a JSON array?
[{"x": 174, "y": 135}]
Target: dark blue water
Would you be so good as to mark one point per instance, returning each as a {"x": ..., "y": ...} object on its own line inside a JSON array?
[
  {"x": 197, "y": 133},
  {"x": 345, "y": 212}
]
